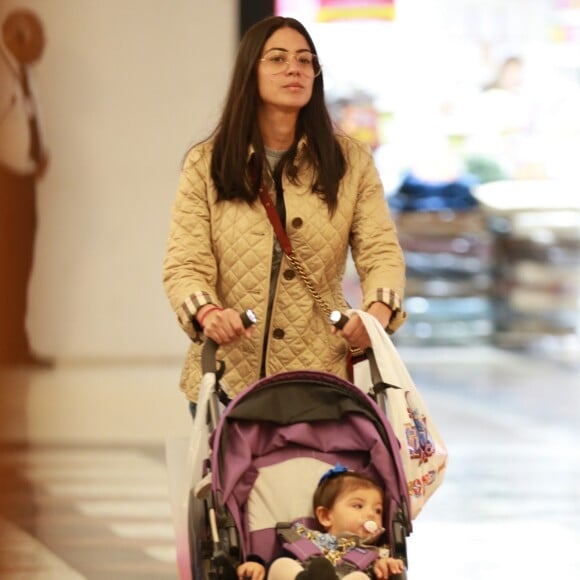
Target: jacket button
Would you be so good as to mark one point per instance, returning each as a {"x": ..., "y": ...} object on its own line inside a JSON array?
[
  {"x": 289, "y": 274},
  {"x": 278, "y": 333},
  {"x": 297, "y": 222}
]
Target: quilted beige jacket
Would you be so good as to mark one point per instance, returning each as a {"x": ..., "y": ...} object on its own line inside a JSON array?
[{"x": 221, "y": 253}]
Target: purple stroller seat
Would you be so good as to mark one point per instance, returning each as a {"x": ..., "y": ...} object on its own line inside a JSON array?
[{"x": 274, "y": 441}]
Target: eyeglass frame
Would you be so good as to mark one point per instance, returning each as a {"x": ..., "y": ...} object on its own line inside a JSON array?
[{"x": 295, "y": 56}]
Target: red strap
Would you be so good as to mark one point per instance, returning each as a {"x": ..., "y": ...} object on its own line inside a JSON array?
[
  {"x": 204, "y": 314},
  {"x": 274, "y": 218},
  {"x": 271, "y": 210}
]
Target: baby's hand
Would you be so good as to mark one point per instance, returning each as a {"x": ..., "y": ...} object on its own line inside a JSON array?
[
  {"x": 384, "y": 567},
  {"x": 251, "y": 570}
]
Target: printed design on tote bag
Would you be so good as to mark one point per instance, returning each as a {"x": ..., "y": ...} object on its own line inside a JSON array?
[{"x": 419, "y": 441}]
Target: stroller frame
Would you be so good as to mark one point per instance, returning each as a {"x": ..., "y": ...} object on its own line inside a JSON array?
[{"x": 298, "y": 397}]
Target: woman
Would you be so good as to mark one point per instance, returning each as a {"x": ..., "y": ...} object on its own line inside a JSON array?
[{"x": 223, "y": 256}]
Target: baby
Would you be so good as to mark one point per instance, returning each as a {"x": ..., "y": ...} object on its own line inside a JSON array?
[{"x": 349, "y": 507}]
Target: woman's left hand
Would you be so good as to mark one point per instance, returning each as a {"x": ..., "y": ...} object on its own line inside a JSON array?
[{"x": 355, "y": 332}]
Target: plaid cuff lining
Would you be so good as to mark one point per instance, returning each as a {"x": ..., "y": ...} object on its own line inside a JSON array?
[
  {"x": 390, "y": 298},
  {"x": 195, "y": 302}
]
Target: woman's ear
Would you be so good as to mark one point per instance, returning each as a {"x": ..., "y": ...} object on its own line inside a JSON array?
[{"x": 323, "y": 516}]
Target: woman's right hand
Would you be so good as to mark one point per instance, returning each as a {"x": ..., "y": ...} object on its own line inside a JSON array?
[{"x": 223, "y": 326}]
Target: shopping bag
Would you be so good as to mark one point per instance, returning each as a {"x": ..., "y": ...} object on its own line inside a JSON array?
[
  {"x": 184, "y": 458},
  {"x": 423, "y": 451}
]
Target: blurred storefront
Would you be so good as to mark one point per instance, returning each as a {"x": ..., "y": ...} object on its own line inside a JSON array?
[{"x": 472, "y": 108}]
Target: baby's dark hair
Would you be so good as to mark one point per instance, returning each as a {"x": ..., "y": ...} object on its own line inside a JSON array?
[{"x": 331, "y": 487}]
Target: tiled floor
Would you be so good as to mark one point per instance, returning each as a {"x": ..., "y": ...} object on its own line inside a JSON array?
[
  {"x": 81, "y": 512},
  {"x": 508, "y": 509},
  {"x": 510, "y": 506}
]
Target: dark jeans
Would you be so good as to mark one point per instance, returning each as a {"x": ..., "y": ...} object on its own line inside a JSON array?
[{"x": 192, "y": 409}]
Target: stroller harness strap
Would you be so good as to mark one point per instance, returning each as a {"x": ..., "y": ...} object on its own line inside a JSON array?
[
  {"x": 362, "y": 558},
  {"x": 303, "y": 549},
  {"x": 301, "y": 543}
]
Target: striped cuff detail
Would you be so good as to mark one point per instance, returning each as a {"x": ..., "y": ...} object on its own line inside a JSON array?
[
  {"x": 393, "y": 301},
  {"x": 188, "y": 311},
  {"x": 195, "y": 302},
  {"x": 390, "y": 298}
]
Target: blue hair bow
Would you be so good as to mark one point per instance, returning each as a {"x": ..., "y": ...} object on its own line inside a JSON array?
[{"x": 336, "y": 470}]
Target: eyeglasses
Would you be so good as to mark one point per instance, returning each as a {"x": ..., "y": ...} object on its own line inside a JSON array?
[{"x": 278, "y": 61}]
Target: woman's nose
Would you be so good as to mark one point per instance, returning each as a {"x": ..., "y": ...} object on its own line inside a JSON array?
[{"x": 293, "y": 65}]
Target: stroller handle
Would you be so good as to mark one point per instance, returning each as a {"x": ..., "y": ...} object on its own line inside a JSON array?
[
  {"x": 338, "y": 320},
  {"x": 210, "y": 347}
]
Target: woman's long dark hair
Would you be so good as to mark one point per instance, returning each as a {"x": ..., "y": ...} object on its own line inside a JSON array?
[{"x": 238, "y": 128}]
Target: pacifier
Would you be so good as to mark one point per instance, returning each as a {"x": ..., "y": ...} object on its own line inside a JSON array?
[{"x": 373, "y": 530}]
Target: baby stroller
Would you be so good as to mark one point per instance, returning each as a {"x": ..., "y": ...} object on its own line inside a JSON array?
[{"x": 268, "y": 449}]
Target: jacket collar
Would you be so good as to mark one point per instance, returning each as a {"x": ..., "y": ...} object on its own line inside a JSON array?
[{"x": 302, "y": 144}]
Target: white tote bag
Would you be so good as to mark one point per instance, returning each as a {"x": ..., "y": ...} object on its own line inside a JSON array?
[
  {"x": 184, "y": 458},
  {"x": 422, "y": 448}
]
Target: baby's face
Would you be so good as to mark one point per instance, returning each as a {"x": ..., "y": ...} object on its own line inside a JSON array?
[{"x": 353, "y": 508}]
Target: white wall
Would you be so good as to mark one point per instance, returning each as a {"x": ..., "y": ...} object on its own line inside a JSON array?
[{"x": 125, "y": 86}]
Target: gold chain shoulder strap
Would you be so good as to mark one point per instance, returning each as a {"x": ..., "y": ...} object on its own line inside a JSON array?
[
  {"x": 292, "y": 257},
  {"x": 301, "y": 271},
  {"x": 288, "y": 250}
]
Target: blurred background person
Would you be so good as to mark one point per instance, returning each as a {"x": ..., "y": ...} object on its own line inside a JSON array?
[
  {"x": 501, "y": 121},
  {"x": 23, "y": 160}
]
